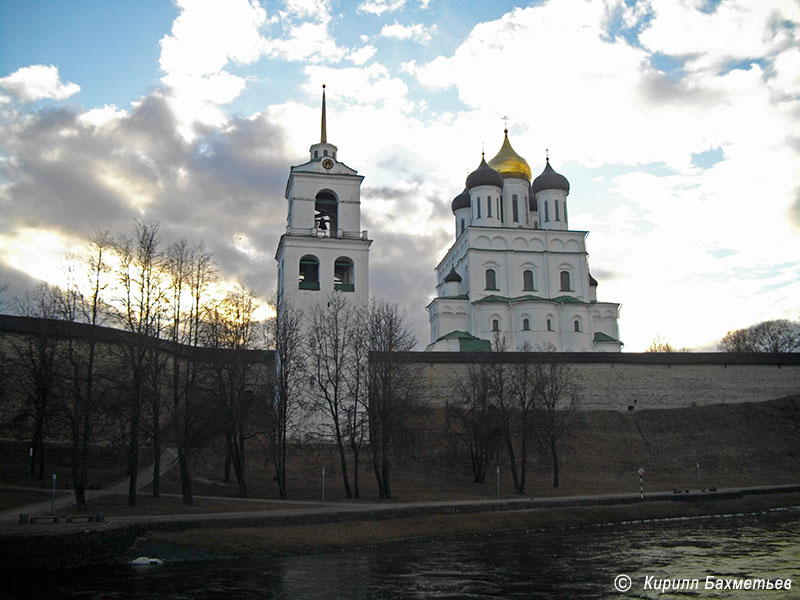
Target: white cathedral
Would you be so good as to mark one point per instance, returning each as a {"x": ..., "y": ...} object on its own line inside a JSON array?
[{"x": 516, "y": 271}]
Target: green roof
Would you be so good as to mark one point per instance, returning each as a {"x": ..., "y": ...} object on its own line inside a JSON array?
[
  {"x": 467, "y": 342},
  {"x": 454, "y": 335},
  {"x": 567, "y": 299},
  {"x": 599, "y": 336}
]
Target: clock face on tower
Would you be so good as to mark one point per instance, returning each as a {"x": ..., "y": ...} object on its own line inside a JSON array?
[{"x": 327, "y": 163}]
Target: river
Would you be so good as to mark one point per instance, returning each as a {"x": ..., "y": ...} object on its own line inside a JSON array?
[{"x": 568, "y": 563}]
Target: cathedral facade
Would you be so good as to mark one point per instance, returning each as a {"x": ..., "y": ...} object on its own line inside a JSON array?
[{"x": 516, "y": 271}]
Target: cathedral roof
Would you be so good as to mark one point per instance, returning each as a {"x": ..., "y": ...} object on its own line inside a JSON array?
[
  {"x": 550, "y": 180},
  {"x": 452, "y": 276},
  {"x": 510, "y": 164},
  {"x": 460, "y": 201},
  {"x": 484, "y": 175}
]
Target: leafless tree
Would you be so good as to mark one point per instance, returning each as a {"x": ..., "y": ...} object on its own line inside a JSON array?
[
  {"x": 472, "y": 416},
  {"x": 357, "y": 381},
  {"x": 231, "y": 327},
  {"x": 777, "y": 335},
  {"x": 190, "y": 271},
  {"x": 523, "y": 401},
  {"x": 332, "y": 331},
  {"x": 82, "y": 406},
  {"x": 140, "y": 307},
  {"x": 393, "y": 386},
  {"x": 285, "y": 334},
  {"x": 558, "y": 396},
  {"x": 659, "y": 344},
  {"x": 36, "y": 366}
]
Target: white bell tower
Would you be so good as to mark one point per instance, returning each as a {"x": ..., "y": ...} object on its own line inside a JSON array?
[{"x": 323, "y": 249}]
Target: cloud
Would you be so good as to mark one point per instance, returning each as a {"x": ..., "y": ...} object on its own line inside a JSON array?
[
  {"x": 378, "y": 7},
  {"x": 418, "y": 32},
  {"x": 38, "y": 82}
]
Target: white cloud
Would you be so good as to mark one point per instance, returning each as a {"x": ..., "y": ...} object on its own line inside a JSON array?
[
  {"x": 38, "y": 82},
  {"x": 362, "y": 55},
  {"x": 418, "y": 32},
  {"x": 100, "y": 116},
  {"x": 378, "y": 7}
]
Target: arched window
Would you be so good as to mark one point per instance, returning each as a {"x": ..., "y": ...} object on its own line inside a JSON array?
[
  {"x": 488, "y": 206},
  {"x": 546, "y": 212},
  {"x": 463, "y": 225},
  {"x": 478, "y": 207},
  {"x": 343, "y": 278},
  {"x": 526, "y": 325},
  {"x": 556, "y": 203},
  {"x": 326, "y": 213},
  {"x": 309, "y": 273},
  {"x": 527, "y": 280},
  {"x": 491, "y": 279},
  {"x": 495, "y": 325},
  {"x": 515, "y": 208},
  {"x": 549, "y": 324},
  {"x": 316, "y": 153},
  {"x": 577, "y": 325},
  {"x": 565, "y": 282}
]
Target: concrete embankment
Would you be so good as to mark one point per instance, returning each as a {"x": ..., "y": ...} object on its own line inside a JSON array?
[{"x": 28, "y": 548}]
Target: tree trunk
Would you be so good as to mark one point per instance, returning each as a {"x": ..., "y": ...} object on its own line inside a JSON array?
[
  {"x": 355, "y": 474},
  {"x": 512, "y": 460},
  {"x": 523, "y": 463},
  {"x": 228, "y": 453},
  {"x": 343, "y": 460},
  {"x": 554, "y": 452}
]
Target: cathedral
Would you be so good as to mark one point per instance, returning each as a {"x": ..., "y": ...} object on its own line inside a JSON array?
[{"x": 516, "y": 272}]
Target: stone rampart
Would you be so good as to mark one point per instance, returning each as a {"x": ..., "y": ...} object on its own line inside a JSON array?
[{"x": 639, "y": 380}]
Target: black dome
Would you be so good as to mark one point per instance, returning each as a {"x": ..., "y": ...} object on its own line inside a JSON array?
[
  {"x": 452, "y": 276},
  {"x": 460, "y": 201},
  {"x": 550, "y": 180},
  {"x": 484, "y": 175}
]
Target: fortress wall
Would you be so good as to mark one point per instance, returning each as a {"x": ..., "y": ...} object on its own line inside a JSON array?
[{"x": 639, "y": 380}]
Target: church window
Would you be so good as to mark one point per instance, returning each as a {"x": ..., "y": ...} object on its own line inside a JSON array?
[
  {"x": 515, "y": 208},
  {"x": 488, "y": 206},
  {"x": 478, "y": 206},
  {"x": 309, "y": 273},
  {"x": 565, "y": 211},
  {"x": 549, "y": 324},
  {"x": 325, "y": 152},
  {"x": 527, "y": 280},
  {"x": 343, "y": 275},
  {"x": 491, "y": 279},
  {"x": 546, "y": 212},
  {"x": 556, "y": 203},
  {"x": 526, "y": 325},
  {"x": 495, "y": 325},
  {"x": 565, "y": 282},
  {"x": 463, "y": 225},
  {"x": 577, "y": 325},
  {"x": 325, "y": 214},
  {"x": 501, "y": 210}
]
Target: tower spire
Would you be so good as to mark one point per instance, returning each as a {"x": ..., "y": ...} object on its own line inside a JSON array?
[{"x": 323, "y": 137}]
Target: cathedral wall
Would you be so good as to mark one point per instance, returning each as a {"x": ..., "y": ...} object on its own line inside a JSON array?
[{"x": 642, "y": 381}]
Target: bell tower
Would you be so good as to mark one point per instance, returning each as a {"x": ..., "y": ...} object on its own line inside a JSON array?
[{"x": 323, "y": 249}]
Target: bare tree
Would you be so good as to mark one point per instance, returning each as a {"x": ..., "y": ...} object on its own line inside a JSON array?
[
  {"x": 392, "y": 386},
  {"x": 231, "y": 327},
  {"x": 777, "y": 335},
  {"x": 558, "y": 396},
  {"x": 82, "y": 406},
  {"x": 523, "y": 402},
  {"x": 36, "y": 365},
  {"x": 472, "y": 416},
  {"x": 357, "y": 380},
  {"x": 140, "y": 281},
  {"x": 332, "y": 330},
  {"x": 190, "y": 271},
  {"x": 285, "y": 333}
]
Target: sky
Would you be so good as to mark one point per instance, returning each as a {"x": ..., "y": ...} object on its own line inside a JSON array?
[{"x": 677, "y": 123}]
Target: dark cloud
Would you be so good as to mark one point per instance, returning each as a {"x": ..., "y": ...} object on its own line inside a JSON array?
[{"x": 660, "y": 88}]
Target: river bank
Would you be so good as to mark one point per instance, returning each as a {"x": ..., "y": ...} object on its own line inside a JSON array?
[{"x": 282, "y": 539}]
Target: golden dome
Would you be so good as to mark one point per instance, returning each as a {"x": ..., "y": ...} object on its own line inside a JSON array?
[{"x": 510, "y": 164}]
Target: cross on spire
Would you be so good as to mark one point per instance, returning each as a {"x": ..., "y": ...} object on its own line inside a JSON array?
[{"x": 505, "y": 120}]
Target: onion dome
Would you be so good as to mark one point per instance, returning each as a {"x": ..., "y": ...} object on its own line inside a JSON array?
[
  {"x": 452, "y": 276},
  {"x": 484, "y": 175},
  {"x": 460, "y": 201},
  {"x": 592, "y": 281},
  {"x": 510, "y": 164},
  {"x": 550, "y": 180}
]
